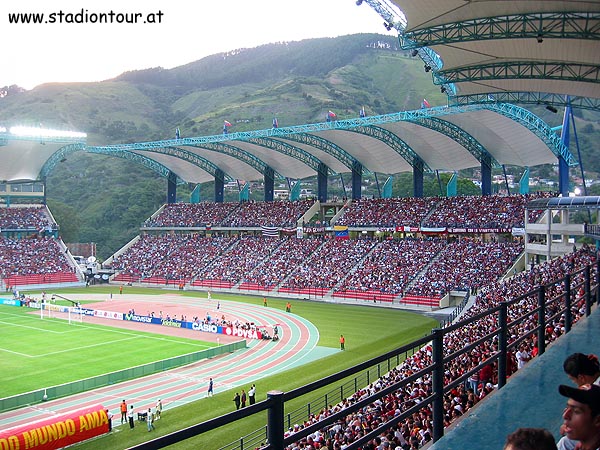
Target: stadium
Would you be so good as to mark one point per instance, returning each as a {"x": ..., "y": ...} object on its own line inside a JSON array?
[{"x": 364, "y": 322}]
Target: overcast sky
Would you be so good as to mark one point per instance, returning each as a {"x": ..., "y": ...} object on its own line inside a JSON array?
[{"x": 188, "y": 30}]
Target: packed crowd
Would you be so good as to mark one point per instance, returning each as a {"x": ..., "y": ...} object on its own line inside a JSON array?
[
  {"x": 417, "y": 430},
  {"x": 169, "y": 256},
  {"x": 330, "y": 263},
  {"x": 31, "y": 257},
  {"x": 390, "y": 212},
  {"x": 391, "y": 265},
  {"x": 240, "y": 258},
  {"x": 27, "y": 218},
  {"x": 190, "y": 215},
  {"x": 423, "y": 267},
  {"x": 278, "y": 214},
  {"x": 492, "y": 211},
  {"x": 466, "y": 264},
  {"x": 282, "y": 262},
  {"x": 244, "y": 214}
]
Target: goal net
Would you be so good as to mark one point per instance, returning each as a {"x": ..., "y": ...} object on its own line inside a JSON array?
[{"x": 69, "y": 313}]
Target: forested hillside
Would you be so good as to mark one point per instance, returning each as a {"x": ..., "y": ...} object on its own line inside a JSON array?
[{"x": 104, "y": 200}]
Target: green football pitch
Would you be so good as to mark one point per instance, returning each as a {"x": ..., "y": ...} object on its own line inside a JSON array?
[{"x": 36, "y": 353}]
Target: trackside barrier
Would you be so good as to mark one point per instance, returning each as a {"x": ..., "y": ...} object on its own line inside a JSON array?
[
  {"x": 119, "y": 376},
  {"x": 561, "y": 298}
]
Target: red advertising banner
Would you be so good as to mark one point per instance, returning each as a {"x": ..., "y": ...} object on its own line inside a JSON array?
[{"x": 58, "y": 431}]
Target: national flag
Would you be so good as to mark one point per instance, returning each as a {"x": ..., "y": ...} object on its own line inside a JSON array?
[
  {"x": 425, "y": 104},
  {"x": 177, "y": 133},
  {"x": 226, "y": 123},
  {"x": 331, "y": 115},
  {"x": 275, "y": 123},
  {"x": 341, "y": 232},
  {"x": 269, "y": 231},
  {"x": 361, "y": 113}
]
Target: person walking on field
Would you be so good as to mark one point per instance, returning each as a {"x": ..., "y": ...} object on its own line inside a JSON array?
[
  {"x": 342, "y": 342},
  {"x": 123, "y": 412}
]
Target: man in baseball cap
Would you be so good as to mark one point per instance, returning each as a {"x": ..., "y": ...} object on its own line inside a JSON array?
[{"x": 582, "y": 415}]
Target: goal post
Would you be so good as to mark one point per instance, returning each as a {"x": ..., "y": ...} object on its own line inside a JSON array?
[{"x": 73, "y": 314}]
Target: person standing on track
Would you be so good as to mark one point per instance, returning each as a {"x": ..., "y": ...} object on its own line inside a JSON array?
[
  {"x": 123, "y": 412},
  {"x": 209, "y": 393}
]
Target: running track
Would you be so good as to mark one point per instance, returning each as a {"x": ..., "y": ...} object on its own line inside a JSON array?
[{"x": 297, "y": 345}]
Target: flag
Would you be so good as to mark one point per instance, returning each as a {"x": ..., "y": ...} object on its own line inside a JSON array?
[
  {"x": 275, "y": 123},
  {"x": 226, "y": 125},
  {"x": 425, "y": 104},
  {"x": 361, "y": 113},
  {"x": 269, "y": 231},
  {"x": 341, "y": 232},
  {"x": 177, "y": 133},
  {"x": 331, "y": 115}
]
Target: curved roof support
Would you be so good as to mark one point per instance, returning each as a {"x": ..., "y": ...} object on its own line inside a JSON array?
[
  {"x": 149, "y": 163},
  {"x": 562, "y": 25},
  {"x": 59, "y": 156},
  {"x": 186, "y": 155},
  {"x": 521, "y": 70},
  {"x": 290, "y": 150},
  {"x": 459, "y": 135},
  {"x": 238, "y": 153},
  {"x": 392, "y": 140},
  {"x": 529, "y": 98},
  {"x": 323, "y": 144},
  {"x": 537, "y": 126}
]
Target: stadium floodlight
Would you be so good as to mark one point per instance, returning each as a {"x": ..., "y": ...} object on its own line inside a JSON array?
[{"x": 45, "y": 133}]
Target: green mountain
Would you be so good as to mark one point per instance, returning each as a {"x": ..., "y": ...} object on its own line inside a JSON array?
[{"x": 104, "y": 200}]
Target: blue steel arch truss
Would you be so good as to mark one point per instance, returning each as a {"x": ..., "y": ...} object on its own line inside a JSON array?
[
  {"x": 273, "y": 138},
  {"x": 393, "y": 141},
  {"x": 203, "y": 163},
  {"x": 59, "y": 156},
  {"x": 558, "y": 25},
  {"x": 149, "y": 163},
  {"x": 525, "y": 98},
  {"x": 290, "y": 150},
  {"x": 238, "y": 153},
  {"x": 325, "y": 145},
  {"x": 523, "y": 70},
  {"x": 460, "y": 136}
]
